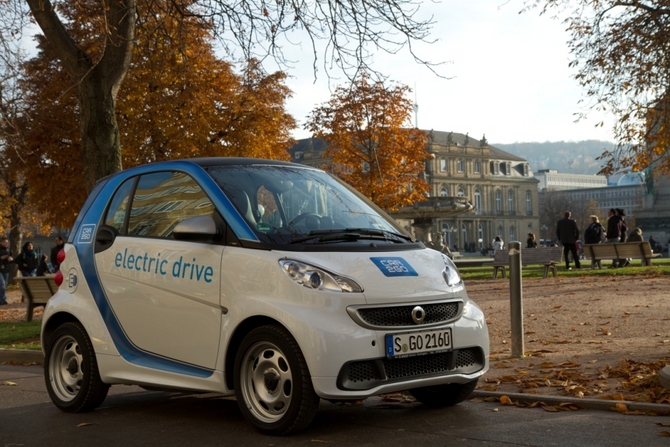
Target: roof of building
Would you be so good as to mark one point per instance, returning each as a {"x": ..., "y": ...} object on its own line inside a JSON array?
[
  {"x": 439, "y": 137},
  {"x": 460, "y": 139}
]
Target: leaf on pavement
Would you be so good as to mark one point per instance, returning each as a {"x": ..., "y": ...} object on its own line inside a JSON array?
[
  {"x": 84, "y": 424},
  {"x": 8, "y": 383}
]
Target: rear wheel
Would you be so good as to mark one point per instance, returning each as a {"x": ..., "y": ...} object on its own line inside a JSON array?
[
  {"x": 444, "y": 395},
  {"x": 272, "y": 383},
  {"x": 71, "y": 370}
]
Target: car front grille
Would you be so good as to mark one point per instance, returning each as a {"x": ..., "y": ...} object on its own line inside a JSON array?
[
  {"x": 363, "y": 375},
  {"x": 401, "y": 316}
]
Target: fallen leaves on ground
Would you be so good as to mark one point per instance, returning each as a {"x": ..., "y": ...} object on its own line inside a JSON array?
[{"x": 628, "y": 381}]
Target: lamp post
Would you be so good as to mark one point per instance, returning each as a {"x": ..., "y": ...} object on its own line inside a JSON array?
[{"x": 544, "y": 229}]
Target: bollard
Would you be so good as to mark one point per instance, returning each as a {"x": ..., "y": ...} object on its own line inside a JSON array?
[{"x": 516, "y": 298}]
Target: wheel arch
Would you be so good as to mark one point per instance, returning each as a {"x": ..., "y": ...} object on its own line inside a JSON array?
[
  {"x": 56, "y": 320},
  {"x": 241, "y": 331}
]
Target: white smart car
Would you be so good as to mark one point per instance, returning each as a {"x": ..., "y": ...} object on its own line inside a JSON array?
[{"x": 270, "y": 281}]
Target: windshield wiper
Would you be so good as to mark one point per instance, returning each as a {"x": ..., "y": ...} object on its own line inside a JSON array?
[{"x": 351, "y": 234}]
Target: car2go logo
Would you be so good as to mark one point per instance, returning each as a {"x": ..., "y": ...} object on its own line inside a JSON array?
[{"x": 394, "y": 266}]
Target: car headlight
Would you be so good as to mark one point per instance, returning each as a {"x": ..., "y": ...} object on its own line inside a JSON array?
[
  {"x": 316, "y": 278},
  {"x": 450, "y": 272}
]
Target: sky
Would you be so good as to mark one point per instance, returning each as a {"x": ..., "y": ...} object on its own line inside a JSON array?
[{"x": 509, "y": 77}]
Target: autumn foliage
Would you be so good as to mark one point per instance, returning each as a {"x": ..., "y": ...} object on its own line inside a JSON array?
[
  {"x": 369, "y": 145},
  {"x": 178, "y": 101}
]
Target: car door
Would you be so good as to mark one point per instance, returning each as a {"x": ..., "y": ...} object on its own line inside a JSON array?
[{"x": 164, "y": 292}]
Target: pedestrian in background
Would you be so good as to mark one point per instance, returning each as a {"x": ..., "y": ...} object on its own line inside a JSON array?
[
  {"x": 613, "y": 231},
  {"x": 498, "y": 244},
  {"x": 636, "y": 235},
  {"x": 567, "y": 233},
  {"x": 595, "y": 232},
  {"x": 5, "y": 261},
  {"x": 60, "y": 243},
  {"x": 43, "y": 266},
  {"x": 27, "y": 260},
  {"x": 531, "y": 242}
]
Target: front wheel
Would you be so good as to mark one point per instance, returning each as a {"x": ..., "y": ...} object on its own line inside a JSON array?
[
  {"x": 71, "y": 370},
  {"x": 444, "y": 395},
  {"x": 272, "y": 383}
]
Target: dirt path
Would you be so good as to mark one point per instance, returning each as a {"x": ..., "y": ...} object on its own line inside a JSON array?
[{"x": 584, "y": 336}]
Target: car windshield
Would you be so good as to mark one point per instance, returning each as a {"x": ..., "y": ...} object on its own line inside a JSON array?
[{"x": 289, "y": 205}]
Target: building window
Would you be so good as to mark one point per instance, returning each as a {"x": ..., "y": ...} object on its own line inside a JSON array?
[
  {"x": 443, "y": 165},
  {"x": 459, "y": 166},
  {"x": 529, "y": 204},
  {"x": 478, "y": 167},
  {"x": 461, "y": 192},
  {"x": 478, "y": 201},
  {"x": 464, "y": 232},
  {"x": 444, "y": 192},
  {"x": 499, "y": 203},
  {"x": 510, "y": 202},
  {"x": 495, "y": 168},
  {"x": 512, "y": 234},
  {"x": 448, "y": 232}
]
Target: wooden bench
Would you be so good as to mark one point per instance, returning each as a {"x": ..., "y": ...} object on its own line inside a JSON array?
[
  {"x": 455, "y": 255},
  {"x": 36, "y": 292},
  {"x": 620, "y": 251},
  {"x": 549, "y": 257}
]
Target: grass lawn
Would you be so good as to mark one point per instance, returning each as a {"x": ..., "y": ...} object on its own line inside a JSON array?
[
  {"x": 661, "y": 266},
  {"x": 22, "y": 335}
]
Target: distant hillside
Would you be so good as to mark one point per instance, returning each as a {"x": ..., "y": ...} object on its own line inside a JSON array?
[{"x": 571, "y": 157}]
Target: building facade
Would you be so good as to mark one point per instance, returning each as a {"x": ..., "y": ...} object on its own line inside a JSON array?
[
  {"x": 552, "y": 180},
  {"x": 500, "y": 186}
]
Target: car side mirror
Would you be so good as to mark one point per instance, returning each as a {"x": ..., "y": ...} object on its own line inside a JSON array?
[{"x": 199, "y": 228}]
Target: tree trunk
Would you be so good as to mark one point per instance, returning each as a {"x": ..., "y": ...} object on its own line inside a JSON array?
[
  {"x": 97, "y": 83},
  {"x": 101, "y": 148}
]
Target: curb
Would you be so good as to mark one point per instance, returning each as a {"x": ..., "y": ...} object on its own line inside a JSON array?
[
  {"x": 21, "y": 356},
  {"x": 593, "y": 404}
]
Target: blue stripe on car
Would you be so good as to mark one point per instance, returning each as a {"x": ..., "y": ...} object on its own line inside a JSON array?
[{"x": 86, "y": 253}]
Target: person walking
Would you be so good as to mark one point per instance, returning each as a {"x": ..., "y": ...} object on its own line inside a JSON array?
[
  {"x": 60, "y": 243},
  {"x": 613, "y": 231},
  {"x": 27, "y": 260},
  {"x": 5, "y": 261},
  {"x": 531, "y": 242},
  {"x": 567, "y": 233}
]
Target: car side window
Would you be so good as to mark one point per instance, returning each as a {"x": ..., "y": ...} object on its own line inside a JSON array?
[
  {"x": 116, "y": 213},
  {"x": 162, "y": 200}
]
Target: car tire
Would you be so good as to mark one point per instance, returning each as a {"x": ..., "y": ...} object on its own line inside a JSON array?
[
  {"x": 444, "y": 395},
  {"x": 71, "y": 370},
  {"x": 273, "y": 385}
]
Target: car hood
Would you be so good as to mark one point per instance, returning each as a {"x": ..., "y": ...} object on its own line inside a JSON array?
[{"x": 405, "y": 276}]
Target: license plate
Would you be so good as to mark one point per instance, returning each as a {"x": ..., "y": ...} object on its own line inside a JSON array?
[{"x": 415, "y": 343}]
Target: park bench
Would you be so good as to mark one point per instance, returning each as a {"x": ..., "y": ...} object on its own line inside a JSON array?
[
  {"x": 620, "y": 251},
  {"x": 455, "y": 255},
  {"x": 548, "y": 257},
  {"x": 36, "y": 292}
]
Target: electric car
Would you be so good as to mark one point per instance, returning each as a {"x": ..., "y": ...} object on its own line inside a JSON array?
[{"x": 270, "y": 281}]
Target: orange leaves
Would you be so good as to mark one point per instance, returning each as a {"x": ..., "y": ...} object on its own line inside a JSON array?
[
  {"x": 368, "y": 144},
  {"x": 178, "y": 100}
]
